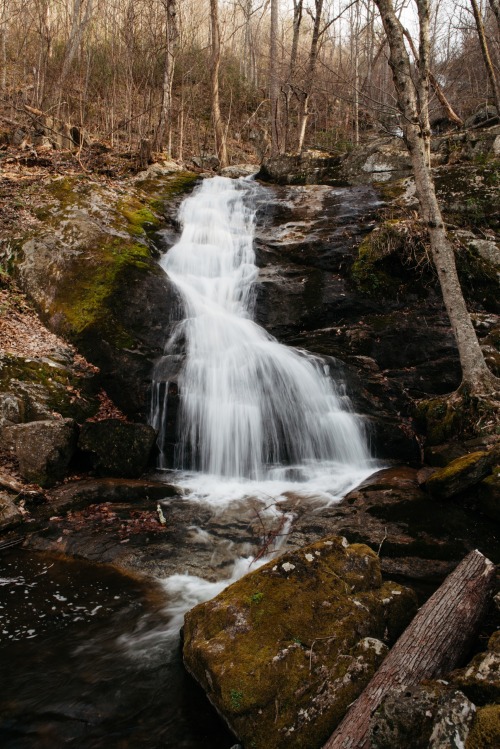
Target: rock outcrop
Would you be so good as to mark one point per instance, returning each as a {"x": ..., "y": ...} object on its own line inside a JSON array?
[
  {"x": 284, "y": 651},
  {"x": 116, "y": 448},
  {"x": 43, "y": 449}
]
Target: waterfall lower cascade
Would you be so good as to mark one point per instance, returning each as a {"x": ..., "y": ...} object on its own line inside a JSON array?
[{"x": 251, "y": 409}]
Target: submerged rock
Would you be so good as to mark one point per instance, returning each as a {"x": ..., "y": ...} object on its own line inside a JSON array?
[
  {"x": 117, "y": 448},
  {"x": 285, "y": 650},
  {"x": 43, "y": 449}
]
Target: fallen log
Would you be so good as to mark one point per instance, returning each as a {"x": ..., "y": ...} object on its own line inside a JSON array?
[{"x": 432, "y": 645}]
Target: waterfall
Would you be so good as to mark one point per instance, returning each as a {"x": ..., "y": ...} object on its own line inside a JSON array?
[{"x": 250, "y": 408}]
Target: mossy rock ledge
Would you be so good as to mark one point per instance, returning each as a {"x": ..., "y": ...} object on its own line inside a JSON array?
[
  {"x": 283, "y": 652},
  {"x": 91, "y": 273}
]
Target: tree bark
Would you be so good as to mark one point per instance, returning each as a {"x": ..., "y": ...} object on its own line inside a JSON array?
[
  {"x": 219, "y": 130},
  {"x": 431, "y": 646},
  {"x": 310, "y": 72},
  {"x": 476, "y": 376},
  {"x": 171, "y": 36},
  {"x": 273, "y": 80},
  {"x": 495, "y": 7},
  {"x": 486, "y": 54}
]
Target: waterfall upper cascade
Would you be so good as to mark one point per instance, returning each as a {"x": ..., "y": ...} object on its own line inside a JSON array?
[{"x": 250, "y": 407}]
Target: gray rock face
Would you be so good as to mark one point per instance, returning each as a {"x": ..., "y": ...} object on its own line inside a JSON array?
[
  {"x": 43, "y": 449},
  {"x": 116, "y": 448}
]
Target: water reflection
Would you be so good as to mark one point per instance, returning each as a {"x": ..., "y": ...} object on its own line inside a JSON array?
[{"x": 77, "y": 670}]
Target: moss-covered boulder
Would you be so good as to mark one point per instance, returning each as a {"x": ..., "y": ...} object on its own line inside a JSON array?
[
  {"x": 43, "y": 449},
  {"x": 117, "y": 448},
  {"x": 485, "y": 733},
  {"x": 460, "y": 474},
  {"x": 285, "y": 650},
  {"x": 90, "y": 270}
]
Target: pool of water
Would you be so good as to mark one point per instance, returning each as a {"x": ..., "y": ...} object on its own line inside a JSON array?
[{"x": 87, "y": 659}]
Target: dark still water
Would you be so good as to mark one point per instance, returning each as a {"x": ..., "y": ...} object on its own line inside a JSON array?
[{"x": 87, "y": 660}]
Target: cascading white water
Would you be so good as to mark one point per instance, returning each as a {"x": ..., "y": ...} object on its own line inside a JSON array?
[{"x": 249, "y": 405}]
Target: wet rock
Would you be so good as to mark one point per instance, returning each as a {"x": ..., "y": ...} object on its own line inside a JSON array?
[
  {"x": 423, "y": 717},
  {"x": 43, "y": 449},
  {"x": 308, "y": 168},
  {"x": 10, "y": 516},
  {"x": 116, "y": 448},
  {"x": 284, "y": 651},
  {"x": 418, "y": 539},
  {"x": 460, "y": 474},
  {"x": 489, "y": 495},
  {"x": 485, "y": 732},
  {"x": 78, "y": 494}
]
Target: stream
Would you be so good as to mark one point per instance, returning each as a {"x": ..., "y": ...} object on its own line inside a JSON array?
[{"x": 262, "y": 425}]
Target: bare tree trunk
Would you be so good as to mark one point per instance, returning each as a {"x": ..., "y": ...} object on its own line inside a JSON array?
[
  {"x": 431, "y": 646},
  {"x": 220, "y": 132},
  {"x": 273, "y": 80},
  {"x": 79, "y": 22},
  {"x": 171, "y": 36},
  {"x": 486, "y": 54},
  {"x": 311, "y": 69},
  {"x": 475, "y": 374},
  {"x": 3, "y": 46},
  {"x": 495, "y": 7},
  {"x": 297, "y": 20}
]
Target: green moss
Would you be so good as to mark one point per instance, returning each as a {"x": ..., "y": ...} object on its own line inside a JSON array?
[
  {"x": 438, "y": 419},
  {"x": 166, "y": 188},
  {"x": 387, "y": 259},
  {"x": 54, "y": 387},
  {"x": 485, "y": 732},
  {"x": 140, "y": 219},
  {"x": 86, "y": 299},
  {"x": 269, "y": 640}
]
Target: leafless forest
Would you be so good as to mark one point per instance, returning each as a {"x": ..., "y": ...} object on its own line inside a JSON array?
[{"x": 236, "y": 78}]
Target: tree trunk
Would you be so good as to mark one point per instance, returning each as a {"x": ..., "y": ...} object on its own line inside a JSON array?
[
  {"x": 79, "y": 22},
  {"x": 475, "y": 374},
  {"x": 171, "y": 36},
  {"x": 486, "y": 54},
  {"x": 219, "y": 130},
  {"x": 431, "y": 646},
  {"x": 495, "y": 7},
  {"x": 273, "y": 80},
  {"x": 297, "y": 20},
  {"x": 310, "y": 71}
]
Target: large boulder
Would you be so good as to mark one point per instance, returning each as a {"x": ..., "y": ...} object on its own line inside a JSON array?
[
  {"x": 117, "y": 448},
  {"x": 285, "y": 650},
  {"x": 43, "y": 449},
  {"x": 91, "y": 272},
  {"x": 480, "y": 679}
]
